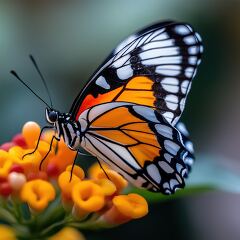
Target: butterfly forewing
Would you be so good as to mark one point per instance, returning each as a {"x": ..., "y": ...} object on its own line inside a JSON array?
[{"x": 165, "y": 56}]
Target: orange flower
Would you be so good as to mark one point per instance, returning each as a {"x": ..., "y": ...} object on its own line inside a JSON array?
[
  {"x": 87, "y": 197},
  {"x": 5, "y": 163},
  {"x": 37, "y": 193},
  {"x": 30, "y": 162},
  {"x": 67, "y": 233},
  {"x": 115, "y": 177},
  {"x": 7, "y": 233},
  {"x": 125, "y": 208},
  {"x": 107, "y": 186},
  {"x": 31, "y": 132},
  {"x": 66, "y": 185}
]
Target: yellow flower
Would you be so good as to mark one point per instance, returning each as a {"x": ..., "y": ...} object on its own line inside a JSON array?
[
  {"x": 77, "y": 171},
  {"x": 37, "y": 193},
  {"x": 67, "y": 233},
  {"x": 31, "y": 132},
  {"x": 66, "y": 185},
  {"x": 107, "y": 186},
  {"x": 115, "y": 177},
  {"x": 7, "y": 233},
  {"x": 87, "y": 197},
  {"x": 125, "y": 208},
  {"x": 30, "y": 162},
  {"x": 5, "y": 163},
  {"x": 94, "y": 170}
]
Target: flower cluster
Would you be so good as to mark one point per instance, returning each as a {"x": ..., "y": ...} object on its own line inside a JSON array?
[{"x": 56, "y": 198}]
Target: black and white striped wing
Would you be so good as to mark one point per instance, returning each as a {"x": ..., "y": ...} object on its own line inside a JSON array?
[
  {"x": 142, "y": 146},
  {"x": 165, "y": 54}
]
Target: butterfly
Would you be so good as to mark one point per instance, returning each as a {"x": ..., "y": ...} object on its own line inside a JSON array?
[{"x": 127, "y": 115}]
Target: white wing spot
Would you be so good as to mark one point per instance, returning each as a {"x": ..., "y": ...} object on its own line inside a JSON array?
[
  {"x": 189, "y": 146},
  {"x": 168, "y": 116},
  {"x": 171, "y": 101},
  {"x": 125, "y": 72},
  {"x": 198, "y": 37},
  {"x": 182, "y": 30},
  {"x": 193, "y": 50},
  {"x": 184, "y": 86},
  {"x": 118, "y": 63},
  {"x": 154, "y": 173},
  {"x": 170, "y": 84},
  {"x": 125, "y": 43},
  {"x": 168, "y": 70},
  {"x": 182, "y": 104},
  {"x": 161, "y": 60},
  {"x": 189, "y": 72},
  {"x": 166, "y": 167},
  {"x": 171, "y": 146},
  {"x": 179, "y": 167},
  {"x": 101, "y": 81},
  {"x": 188, "y": 160},
  {"x": 160, "y": 37},
  {"x": 182, "y": 128},
  {"x": 157, "y": 44},
  {"x": 168, "y": 157},
  {"x": 192, "y": 60},
  {"x": 146, "y": 112},
  {"x": 164, "y": 130},
  {"x": 173, "y": 183},
  {"x": 170, "y": 88},
  {"x": 189, "y": 40}
]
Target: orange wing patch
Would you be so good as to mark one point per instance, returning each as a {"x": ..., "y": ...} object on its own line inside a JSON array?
[
  {"x": 143, "y": 153},
  {"x": 115, "y": 118},
  {"x": 124, "y": 128},
  {"x": 137, "y": 90}
]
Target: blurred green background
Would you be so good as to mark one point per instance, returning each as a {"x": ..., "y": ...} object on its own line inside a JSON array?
[{"x": 69, "y": 39}]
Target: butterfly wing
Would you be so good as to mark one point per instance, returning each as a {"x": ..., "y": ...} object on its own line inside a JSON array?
[
  {"x": 153, "y": 67},
  {"x": 137, "y": 142}
]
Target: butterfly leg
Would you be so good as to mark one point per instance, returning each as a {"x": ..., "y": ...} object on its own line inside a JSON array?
[
  {"x": 46, "y": 127},
  {"x": 99, "y": 162},
  {"x": 50, "y": 148},
  {"x": 74, "y": 162}
]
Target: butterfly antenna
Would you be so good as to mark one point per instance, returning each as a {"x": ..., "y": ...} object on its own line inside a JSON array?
[
  {"x": 42, "y": 78},
  {"x": 16, "y": 76}
]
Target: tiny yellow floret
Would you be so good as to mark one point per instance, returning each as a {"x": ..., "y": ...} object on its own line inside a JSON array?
[
  {"x": 78, "y": 171},
  {"x": 131, "y": 205},
  {"x": 37, "y": 193},
  {"x": 31, "y": 132},
  {"x": 115, "y": 177},
  {"x": 108, "y": 187},
  {"x": 7, "y": 233},
  {"x": 66, "y": 185},
  {"x": 67, "y": 233},
  {"x": 5, "y": 163},
  {"x": 88, "y": 196}
]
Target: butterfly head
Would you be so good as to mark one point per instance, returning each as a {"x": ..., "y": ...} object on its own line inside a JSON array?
[{"x": 51, "y": 115}]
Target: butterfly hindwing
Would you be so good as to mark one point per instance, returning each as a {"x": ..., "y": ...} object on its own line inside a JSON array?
[
  {"x": 141, "y": 145},
  {"x": 189, "y": 159},
  {"x": 153, "y": 67}
]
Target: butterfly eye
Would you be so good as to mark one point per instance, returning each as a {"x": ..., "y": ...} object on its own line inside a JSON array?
[{"x": 51, "y": 116}]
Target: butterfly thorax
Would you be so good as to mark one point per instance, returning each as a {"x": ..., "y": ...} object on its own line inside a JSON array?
[{"x": 65, "y": 127}]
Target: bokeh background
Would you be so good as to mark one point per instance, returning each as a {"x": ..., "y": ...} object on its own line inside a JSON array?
[{"x": 70, "y": 39}]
